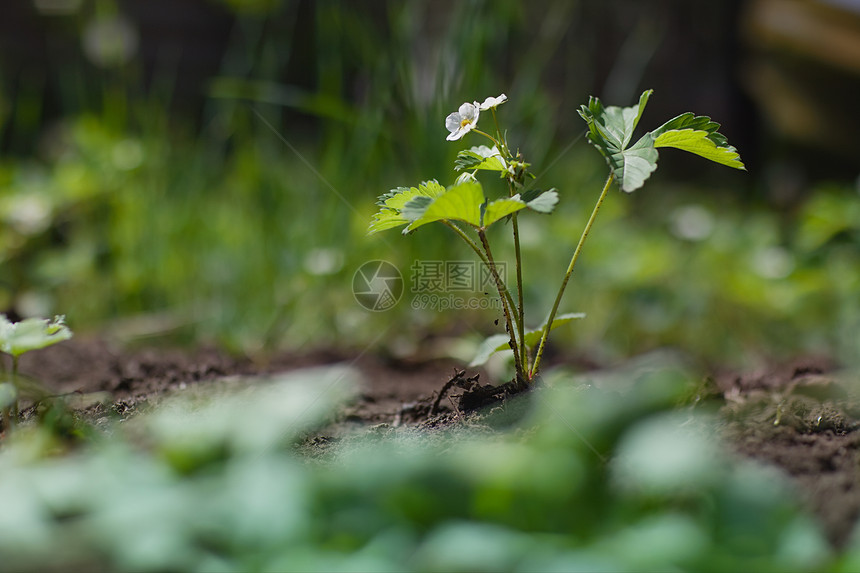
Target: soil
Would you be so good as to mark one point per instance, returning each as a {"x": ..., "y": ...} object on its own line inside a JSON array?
[
  {"x": 92, "y": 369},
  {"x": 803, "y": 419},
  {"x": 796, "y": 417}
]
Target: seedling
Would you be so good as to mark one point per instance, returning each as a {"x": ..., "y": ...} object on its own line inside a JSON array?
[
  {"x": 17, "y": 338},
  {"x": 463, "y": 205}
]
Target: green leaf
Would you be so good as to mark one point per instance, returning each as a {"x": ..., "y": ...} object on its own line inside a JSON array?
[
  {"x": 427, "y": 203},
  {"x": 533, "y": 336},
  {"x": 501, "y": 208},
  {"x": 622, "y": 121},
  {"x": 416, "y": 208},
  {"x": 467, "y": 160},
  {"x": 490, "y": 346},
  {"x": 612, "y": 127},
  {"x": 689, "y": 120},
  {"x": 385, "y": 219},
  {"x": 31, "y": 334},
  {"x": 699, "y": 135},
  {"x": 541, "y": 201},
  {"x": 537, "y": 200},
  {"x": 633, "y": 166},
  {"x": 501, "y": 342},
  {"x": 610, "y": 130},
  {"x": 643, "y": 101},
  {"x": 481, "y": 157},
  {"x": 461, "y": 202},
  {"x": 397, "y": 198},
  {"x": 390, "y": 215}
]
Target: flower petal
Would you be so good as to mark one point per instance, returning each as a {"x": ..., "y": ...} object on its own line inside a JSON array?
[
  {"x": 492, "y": 102},
  {"x": 469, "y": 111},
  {"x": 452, "y": 122},
  {"x": 457, "y": 134}
]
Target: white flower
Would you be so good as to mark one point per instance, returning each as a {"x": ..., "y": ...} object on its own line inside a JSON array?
[
  {"x": 492, "y": 102},
  {"x": 462, "y": 121}
]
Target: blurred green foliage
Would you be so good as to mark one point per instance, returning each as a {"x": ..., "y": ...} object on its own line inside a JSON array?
[
  {"x": 589, "y": 478},
  {"x": 127, "y": 217},
  {"x": 245, "y": 225}
]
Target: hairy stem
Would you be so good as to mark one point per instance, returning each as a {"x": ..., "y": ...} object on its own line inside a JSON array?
[
  {"x": 12, "y": 413},
  {"x": 466, "y": 238},
  {"x": 520, "y": 307},
  {"x": 487, "y": 135},
  {"x": 502, "y": 143},
  {"x": 6, "y": 409},
  {"x": 548, "y": 325},
  {"x": 509, "y": 312}
]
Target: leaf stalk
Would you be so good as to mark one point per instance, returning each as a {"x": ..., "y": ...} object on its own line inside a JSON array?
[{"x": 548, "y": 325}]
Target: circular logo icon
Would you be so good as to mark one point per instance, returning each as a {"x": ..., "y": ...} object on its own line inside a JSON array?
[{"x": 377, "y": 285}]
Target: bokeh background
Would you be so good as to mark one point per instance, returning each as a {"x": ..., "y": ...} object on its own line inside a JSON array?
[{"x": 188, "y": 171}]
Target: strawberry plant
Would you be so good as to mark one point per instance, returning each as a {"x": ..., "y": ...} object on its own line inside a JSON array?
[
  {"x": 17, "y": 338},
  {"x": 468, "y": 212}
]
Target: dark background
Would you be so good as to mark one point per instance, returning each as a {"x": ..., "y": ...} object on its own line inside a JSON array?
[{"x": 696, "y": 55}]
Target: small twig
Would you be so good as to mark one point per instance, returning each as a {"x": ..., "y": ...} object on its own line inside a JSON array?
[
  {"x": 458, "y": 377},
  {"x": 460, "y": 381}
]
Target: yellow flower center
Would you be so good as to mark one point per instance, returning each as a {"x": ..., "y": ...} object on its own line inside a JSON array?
[{"x": 465, "y": 121}]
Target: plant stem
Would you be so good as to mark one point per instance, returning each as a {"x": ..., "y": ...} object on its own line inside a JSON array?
[
  {"x": 487, "y": 135},
  {"x": 503, "y": 292},
  {"x": 501, "y": 139},
  {"x": 507, "y": 298},
  {"x": 6, "y": 409},
  {"x": 466, "y": 238},
  {"x": 12, "y": 417},
  {"x": 520, "y": 307},
  {"x": 548, "y": 325}
]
